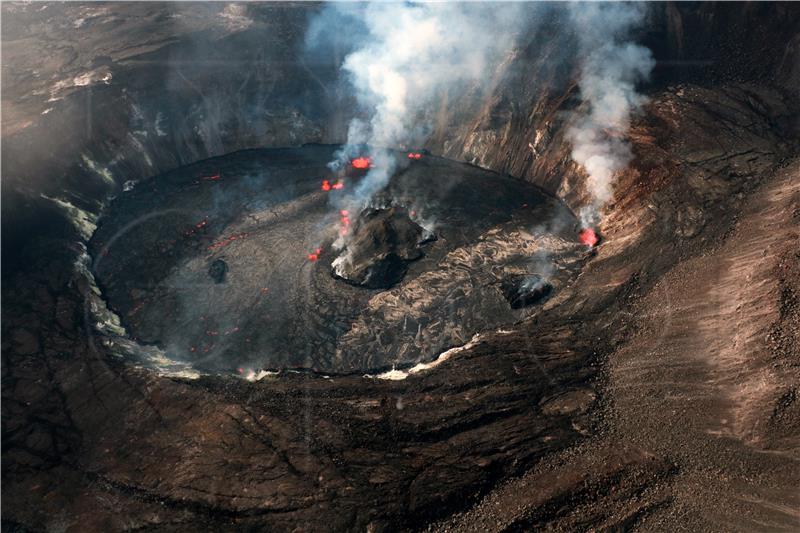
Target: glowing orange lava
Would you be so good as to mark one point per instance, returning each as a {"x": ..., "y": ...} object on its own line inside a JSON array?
[
  {"x": 588, "y": 237},
  {"x": 327, "y": 185},
  {"x": 361, "y": 162},
  {"x": 225, "y": 242},
  {"x": 315, "y": 255},
  {"x": 344, "y": 221}
]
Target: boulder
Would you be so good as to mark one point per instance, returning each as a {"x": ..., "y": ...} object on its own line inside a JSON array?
[
  {"x": 383, "y": 243},
  {"x": 217, "y": 270},
  {"x": 522, "y": 291}
]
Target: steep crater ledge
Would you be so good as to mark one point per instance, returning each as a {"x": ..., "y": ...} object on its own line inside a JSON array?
[{"x": 617, "y": 407}]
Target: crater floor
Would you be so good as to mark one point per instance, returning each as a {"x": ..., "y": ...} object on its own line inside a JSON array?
[{"x": 227, "y": 263}]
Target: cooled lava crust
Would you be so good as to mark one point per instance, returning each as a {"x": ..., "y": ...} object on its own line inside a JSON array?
[{"x": 227, "y": 263}]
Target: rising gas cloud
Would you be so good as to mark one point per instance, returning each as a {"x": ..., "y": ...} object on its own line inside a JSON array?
[
  {"x": 401, "y": 56},
  {"x": 407, "y": 55},
  {"x": 611, "y": 68}
]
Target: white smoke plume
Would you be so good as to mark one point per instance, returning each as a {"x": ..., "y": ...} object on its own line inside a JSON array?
[
  {"x": 611, "y": 68},
  {"x": 410, "y": 55}
]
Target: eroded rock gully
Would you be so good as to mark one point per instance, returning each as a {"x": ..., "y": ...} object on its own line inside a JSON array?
[{"x": 657, "y": 391}]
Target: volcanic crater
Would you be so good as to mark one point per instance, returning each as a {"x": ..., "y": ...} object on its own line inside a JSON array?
[
  {"x": 456, "y": 354},
  {"x": 248, "y": 261}
]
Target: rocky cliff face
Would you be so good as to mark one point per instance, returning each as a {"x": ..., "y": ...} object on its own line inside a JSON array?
[
  {"x": 658, "y": 390},
  {"x": 148, "y": 88},
  {"x": 519, "y": 126}
]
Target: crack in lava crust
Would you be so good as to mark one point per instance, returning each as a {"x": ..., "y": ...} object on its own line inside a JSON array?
[{"x": 225, "y": 281}]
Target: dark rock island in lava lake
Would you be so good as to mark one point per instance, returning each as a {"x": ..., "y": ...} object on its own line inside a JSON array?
[{"x": 384, "y": 241}]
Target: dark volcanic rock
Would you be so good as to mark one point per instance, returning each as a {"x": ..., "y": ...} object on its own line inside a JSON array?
[
  {"x": 384, "y": 241},
  {"x": 521, "y": 291},
  {"x": 217, "y": 270}
]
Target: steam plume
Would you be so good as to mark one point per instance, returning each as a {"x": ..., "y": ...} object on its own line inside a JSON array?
[
  {"x": 412, "y": 52},
  {"x": 610, "y": 71}
]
